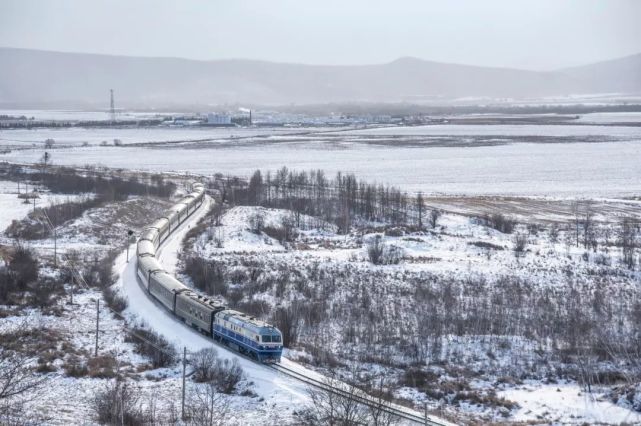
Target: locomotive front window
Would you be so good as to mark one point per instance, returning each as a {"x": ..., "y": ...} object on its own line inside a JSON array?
[
  {"x": 267, "y": 339},
  {"x": 276, "y": 338}
]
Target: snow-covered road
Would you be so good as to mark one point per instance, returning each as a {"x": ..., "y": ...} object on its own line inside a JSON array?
[{"x": 274, "y": 387}]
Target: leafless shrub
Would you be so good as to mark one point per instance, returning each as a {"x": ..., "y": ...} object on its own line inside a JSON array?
[
  {"x": 257, "y": 222},
  {"x": 499, "y": 222},
  {"x": 375, "y": 249},
  {"x": 203, "y": 364},
  {"x": 434, "y": 215},
  {"x": 485, "y": 245},
  {"x": 380, "y": 253},
  {"x": 520, "y": 243},
  {"x": 287, "y": 321},
  {"x": 151, "y": 344},
  {"x": 336, "y": 408},
  {"x": 118, "y": 403},
  {"x": 114, "y": 300},
  {"x": 207, "y": 275},
  {"x": 223, "y": 374},
  {"x": 19, "y": 381},
  {"x": 206, "y": 406}
]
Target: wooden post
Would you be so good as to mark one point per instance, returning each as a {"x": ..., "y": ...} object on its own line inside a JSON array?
[
  {"x": 97, "y": 324},
  {"x": 183, "y": 393},
  {"x": 71, "y": 292},
  {"x": 55, "y": 247}
]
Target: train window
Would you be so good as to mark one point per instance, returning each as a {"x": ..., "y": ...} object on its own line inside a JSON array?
[
  {"x": 267, "y": 339},
  {"x": 276, "y": 338}
]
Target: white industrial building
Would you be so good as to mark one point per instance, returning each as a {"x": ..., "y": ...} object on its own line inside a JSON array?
[{"x": 218, "y": 119}]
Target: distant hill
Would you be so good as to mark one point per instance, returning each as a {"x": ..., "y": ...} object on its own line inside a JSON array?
[{"x": 72, "y": 79}]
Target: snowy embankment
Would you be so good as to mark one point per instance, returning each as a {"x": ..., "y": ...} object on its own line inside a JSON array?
[
  {"x": 281, "y": 393},
  {"x": 565, "y": 403},
  {"x": 14, "y": 208}
]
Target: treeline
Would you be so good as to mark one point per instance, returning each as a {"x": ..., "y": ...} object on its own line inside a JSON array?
[
  {"x": 107, "y": 189},
  {"x": 33, "y": 124},
  {"x": 339, "y": 200},
  {"x": 580, "y": 322}
]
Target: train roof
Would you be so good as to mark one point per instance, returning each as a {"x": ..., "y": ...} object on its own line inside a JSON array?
[
  {"x": 247, "y": 321},
  {"x": 168, "y": 281},
  {"x": 203, "y": 300},
  {"x": 149, "y": 234},
  {"x": 145, "y": 247},
  {"x": 158, "y": 223},
  {"x": 149, "y": 263}
]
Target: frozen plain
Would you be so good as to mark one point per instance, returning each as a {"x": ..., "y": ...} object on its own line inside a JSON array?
[{"x": 595, "y": 169}]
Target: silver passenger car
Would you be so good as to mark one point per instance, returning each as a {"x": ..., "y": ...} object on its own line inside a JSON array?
[
  {"x": 196, "y": 310},
  {"x": 164, "y": 288}
]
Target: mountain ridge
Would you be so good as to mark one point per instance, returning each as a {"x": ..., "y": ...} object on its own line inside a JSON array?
[{"x": 32, "y": 76}]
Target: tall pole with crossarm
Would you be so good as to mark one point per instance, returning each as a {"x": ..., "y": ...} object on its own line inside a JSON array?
[{"x": 112, "y": 107}]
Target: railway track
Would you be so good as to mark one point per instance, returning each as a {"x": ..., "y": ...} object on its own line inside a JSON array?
[
  {"x": 361, "y": 397},
  {"x": 340, "y": 388}
]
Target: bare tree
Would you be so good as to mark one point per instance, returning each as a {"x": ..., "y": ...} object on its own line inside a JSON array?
[
  {"x": 207, "y": 407},
  {"x": 434, "y": 215},
  {"x": 420, "y": 206},
  {"x": 378, "y": 411},
  {"x": 587, "y": 223},
  {"x": 287, "y": 320},
  {"x": 257, "y": 222},
  {"x": 118, "y": 403},
  {"x": 375, "y": 249},
  {"x": 520, "y": 242},
  {"x": 203, "y": 362},
  {"x": 335, "y": 403},
  {"x": 628, "y": 239},
  {"x": 19, "y": 383}
]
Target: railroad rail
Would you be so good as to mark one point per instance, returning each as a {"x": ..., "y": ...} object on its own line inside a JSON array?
[
  {"x": 361, "y": 397},
  {"x": 355, "y": 394}
]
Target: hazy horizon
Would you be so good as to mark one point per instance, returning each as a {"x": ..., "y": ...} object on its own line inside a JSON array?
[
  {"x": 247, "y": 59},
  {"x": 529, "y": 35}
]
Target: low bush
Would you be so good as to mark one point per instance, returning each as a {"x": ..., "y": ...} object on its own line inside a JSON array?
[
  {"x": 118, "y": 404},
  {"x": 224, "y": 374},
  {"x": 485, "y": 245},
  {"x": 114, "y": 300},
  {"x": 153, "y": 346},
  {"x": 499, "y": 222}
]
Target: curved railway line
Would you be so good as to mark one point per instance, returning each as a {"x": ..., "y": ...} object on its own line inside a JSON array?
[{"x": 341, "y": 389}]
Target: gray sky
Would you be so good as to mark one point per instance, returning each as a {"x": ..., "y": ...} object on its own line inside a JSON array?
[{"x": 538, "y": 35}]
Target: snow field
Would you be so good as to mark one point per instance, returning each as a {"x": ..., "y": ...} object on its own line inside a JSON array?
[{"x": 606, "y": 169}]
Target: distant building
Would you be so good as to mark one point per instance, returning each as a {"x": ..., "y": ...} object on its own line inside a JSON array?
[{"x": 218, "y": 119}]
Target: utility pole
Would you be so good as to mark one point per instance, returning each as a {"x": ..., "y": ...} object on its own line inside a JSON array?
[
  {"x": 112, "y": 107},
  {"x": 97, "y": 324},
  {"x": 129, "y": 234},
  {"x": 55, "y": 247},
  {"x": 184, "y": 368},
  {"x": 71, "y": 292}
]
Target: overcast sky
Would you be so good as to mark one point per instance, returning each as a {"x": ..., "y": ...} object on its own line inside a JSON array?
[{"x": 538, "y": 35}]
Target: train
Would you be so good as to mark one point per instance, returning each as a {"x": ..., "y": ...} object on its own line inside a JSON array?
[{"x": 239, "y": 331}]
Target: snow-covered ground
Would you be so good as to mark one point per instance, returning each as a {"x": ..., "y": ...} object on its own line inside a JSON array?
[
  {"x": 566, "y": 404},
  {"x": 539, "y": 130},
  {"x": 459, "y": 248},
  {"x": 14, "y": 208},
  {"x": 609, "y": 169},
  {"x": 76, "y": 136},
  {"x": 611, "y": 117}
]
